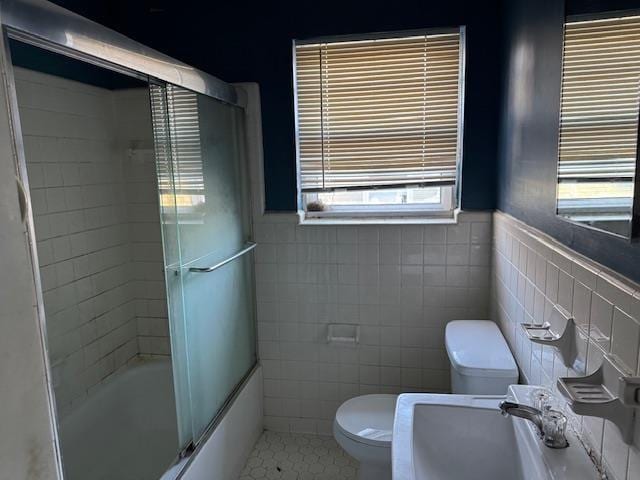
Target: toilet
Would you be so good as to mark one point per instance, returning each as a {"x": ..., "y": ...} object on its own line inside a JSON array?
[
  {"x": 363, "y": 427},
  {"x": 481, "y": 362}
]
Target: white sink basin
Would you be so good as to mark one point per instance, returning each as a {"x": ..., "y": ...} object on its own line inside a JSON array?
[{"x": 460, "y": 437}]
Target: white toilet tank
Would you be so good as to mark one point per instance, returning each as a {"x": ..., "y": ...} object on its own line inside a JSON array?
[{"x": 481, "y": 362}]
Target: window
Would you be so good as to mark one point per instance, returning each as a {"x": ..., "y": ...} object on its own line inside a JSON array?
[
  {"x": 378, "y": 123},
  {"x": 599, "y": 119}
]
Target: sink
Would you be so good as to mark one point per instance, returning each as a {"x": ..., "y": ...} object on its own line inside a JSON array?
[{"x": 458, "y": 437}]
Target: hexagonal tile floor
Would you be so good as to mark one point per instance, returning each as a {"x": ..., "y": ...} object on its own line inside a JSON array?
[{"x": 295, "y": 456}]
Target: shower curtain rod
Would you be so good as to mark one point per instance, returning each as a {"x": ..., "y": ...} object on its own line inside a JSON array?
[{"x": 49, "y": 26}]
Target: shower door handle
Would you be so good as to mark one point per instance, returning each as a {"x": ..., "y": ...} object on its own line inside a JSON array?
[{"x": 249, "y": 246}]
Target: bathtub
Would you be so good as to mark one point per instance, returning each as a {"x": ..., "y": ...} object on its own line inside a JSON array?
[{"x": 126, "y": 430}]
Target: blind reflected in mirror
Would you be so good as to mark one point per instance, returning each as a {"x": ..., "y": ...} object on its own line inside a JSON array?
[{"x": 599, "y": 123}]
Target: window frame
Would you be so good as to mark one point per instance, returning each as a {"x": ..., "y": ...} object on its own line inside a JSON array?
[
  {"x": 448, "y": 209},
  {"x": 441, "y": 208}
]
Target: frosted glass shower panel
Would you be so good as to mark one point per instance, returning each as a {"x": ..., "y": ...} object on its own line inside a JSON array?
[
  {"x": 220, "y": 335},
  {"x": 208, "y": 173},
  {"x": 172, "y": 263},
  {"x": 203, "y": 188}
]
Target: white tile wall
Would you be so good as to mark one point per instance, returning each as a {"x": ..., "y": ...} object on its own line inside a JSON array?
[
  {"x": 98, "y": 253},
  {"x": 532, "y": 273},
  {"x": 143, "y": 215},
  {"x": 401, "y": 284}
]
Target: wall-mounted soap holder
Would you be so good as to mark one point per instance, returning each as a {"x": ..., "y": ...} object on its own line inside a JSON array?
[
  {"x": 343, "y": 334},
  {"x": 609, "y": 393},
  {"x": 558, "y": 332}
]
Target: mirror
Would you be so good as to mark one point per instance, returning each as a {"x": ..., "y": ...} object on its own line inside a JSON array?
[{"x": 598, "y": 152}]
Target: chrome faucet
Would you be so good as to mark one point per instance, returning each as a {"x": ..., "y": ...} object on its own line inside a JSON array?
[{"x": 549, "y": 423}]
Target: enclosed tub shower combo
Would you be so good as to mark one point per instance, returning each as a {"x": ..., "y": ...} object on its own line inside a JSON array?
[{"x": 134, "y": 193}]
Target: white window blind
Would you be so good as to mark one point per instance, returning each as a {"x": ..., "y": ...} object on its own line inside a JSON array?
[
  {"x": 161, "y": 134},
  {"x": 600, "y": 93},
  {"x": 381, "y": 112},
  {"x": 177, "y": 139}
]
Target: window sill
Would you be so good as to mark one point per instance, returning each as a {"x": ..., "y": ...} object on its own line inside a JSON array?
[{"x": 425, "y": 218}]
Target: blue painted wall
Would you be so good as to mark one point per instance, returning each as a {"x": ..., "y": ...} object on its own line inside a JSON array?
[
  {"x": 512, "y": 97},
  {"x": 528, "y": 136},
  {"x": 241, "y": 43}
]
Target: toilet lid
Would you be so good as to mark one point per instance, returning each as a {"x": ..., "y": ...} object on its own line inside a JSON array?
[
  {"x": 477, "y": 348},
  {"x": 368, "y": 419}
]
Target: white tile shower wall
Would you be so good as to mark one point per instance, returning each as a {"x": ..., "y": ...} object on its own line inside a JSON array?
[
  {"x": 135, "y": 140},
  {"x": 80, "y": 221},
  {"x": 401, "y": 284},
  {"x": 75, "y": 169},
  {"x": 531, "y": 274}
]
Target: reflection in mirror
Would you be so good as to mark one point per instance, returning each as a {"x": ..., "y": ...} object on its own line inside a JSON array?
[{"x": 599, "y": 123}]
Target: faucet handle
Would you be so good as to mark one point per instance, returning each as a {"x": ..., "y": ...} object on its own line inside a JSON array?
[
  {"x": 541, "y": 399},
  {"x": 554, "y": 425}
]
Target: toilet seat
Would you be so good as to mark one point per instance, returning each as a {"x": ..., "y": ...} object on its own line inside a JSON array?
[{"x": 368, "y": 419}]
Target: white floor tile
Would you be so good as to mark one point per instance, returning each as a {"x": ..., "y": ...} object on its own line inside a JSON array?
[{"x": 290, "y": 456}]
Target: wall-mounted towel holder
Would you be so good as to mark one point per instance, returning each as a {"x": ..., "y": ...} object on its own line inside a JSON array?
[
  {"x": 343, "y": 334},
  {"x": 609, "y": 393},
  {"x": 557, "y": 332}
]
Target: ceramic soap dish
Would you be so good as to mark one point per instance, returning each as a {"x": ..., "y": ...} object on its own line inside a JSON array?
[
  {"x": 557, "y": 332},
  {"x": 609, "y": 393},
  {"x": 343, "y": 334}
]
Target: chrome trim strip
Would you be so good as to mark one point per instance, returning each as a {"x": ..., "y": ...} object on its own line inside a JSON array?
[
  {"x": 11, "y": 98},
  {"x": 54, "y": 28},
  {"x": 250, "y": 246}
]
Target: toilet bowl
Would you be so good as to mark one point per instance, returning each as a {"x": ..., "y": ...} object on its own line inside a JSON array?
[
  {"x": 363, "y": 427},
  {"x": 481, "y": 364}
]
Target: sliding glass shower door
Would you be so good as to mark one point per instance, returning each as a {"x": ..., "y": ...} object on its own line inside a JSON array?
[{"x": 205, "y": 209}]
